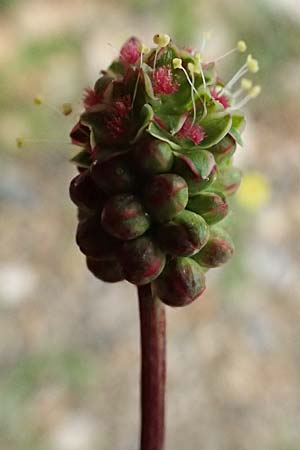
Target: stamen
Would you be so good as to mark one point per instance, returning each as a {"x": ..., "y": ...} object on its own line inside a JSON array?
[
  {"x": 252, "y": 64},
  {"x": 253, "y": 93},
  {"x": 241, "y": 47},
  {"x": 66, "y": 108},
  {"x": 177, "y": 64},
  {"x": 246, "y": 85},
  {"x": 206, "y": 35},
  {"x": 143, "y": 51},
  {"x": 161, "y": 40},
  {"x": 21, "y": 141},
  {"x": 191, "y": 68}
]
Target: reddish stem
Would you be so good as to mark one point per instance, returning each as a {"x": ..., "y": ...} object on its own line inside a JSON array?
[{"x": 153, "y": 369}]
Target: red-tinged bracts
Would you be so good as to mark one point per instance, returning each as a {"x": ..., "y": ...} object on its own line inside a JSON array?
[
  {"x": 217, "y": 251},
  {"x": 108, "y": 270},
  {"x": 185, "y": 235},
  {"x": 142, "y": 260},
  {"x": 181, "y": 282},
  {"x": 165, "y": 196},
  {"x": 124, "y": 217},
  {"x": 84, "y": 193}
]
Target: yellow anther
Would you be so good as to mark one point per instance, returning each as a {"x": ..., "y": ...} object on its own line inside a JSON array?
[
  {"x": 198, "y": 58},
  {"x": 255, "y": 91},
  {"x": 162, "y": 40},
  {"x": 177, "y": 63},
  {"x": 66, "y": 109},
  {"x": 20, "y": 141},
  {"x": 246, "y": 84},
  {"x": 144, "y": 49},
  {"x": 38, "y": 100},
  {"x": 252, "y": 64},
  {"x": 241, "y": 46},
  {"x": 194, "y": 68},
  {"x": 191, "y": 67}
]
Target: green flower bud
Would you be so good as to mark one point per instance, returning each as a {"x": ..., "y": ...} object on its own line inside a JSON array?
[
  {"x": 228, "y": 180},
  {"x": 114, "y": 175},
  {"x": 217, "y": 251},
  {"x": 142, "y": 260},
  {"x": 181, "y": 282},
  {"x": 108, "y": 270},
  {"x": 93, "y": 241},
  {"x": 165, "y": 196},
  {"x": 154, "y": 157},
  {"x": 210, "y": 205},
  {"x": 197, "y": 167},
  {"x": 84, "y": 193},
  {"x": 185, "y": 235},
  {"x": 124, "y": 217}
]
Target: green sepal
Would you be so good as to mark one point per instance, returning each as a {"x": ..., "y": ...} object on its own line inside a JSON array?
[
  {"x": 82, "y": 159},
  {"x": 147, "y": 80},
  {"x": 117, "y": 67},
  {"x": 163, "y": 135},
  {"x": 237, "y": 127},
  {"x": 215, "y": 126}
]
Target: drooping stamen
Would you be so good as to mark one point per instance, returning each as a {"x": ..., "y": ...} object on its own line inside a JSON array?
[
  {"x": 66, "y": 108},
  {"x": 241, "y": 47},
  {"x": 21, "y": 141},
  {"x": 206, "y": 35},
  {"x": 161, "y": 40},
  {"x": 143, "y": 51},
  {"x": 251, "y": 65},
  {"x": 191, "y": 70},
  {"x": 130, "y": 51},
  {"x": 253, "y": 93},
  {"x": 246, "y": 85}
]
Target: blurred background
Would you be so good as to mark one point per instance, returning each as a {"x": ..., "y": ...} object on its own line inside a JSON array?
[{"x": 69, "y": 344}]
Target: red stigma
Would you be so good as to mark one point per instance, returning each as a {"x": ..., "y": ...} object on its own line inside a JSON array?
[
  {"x": 223, "y": 99},
  {"x": 163, "y": 81},
  {"x": 130, "y": 51},
  {"x": 193, "y": 132}
]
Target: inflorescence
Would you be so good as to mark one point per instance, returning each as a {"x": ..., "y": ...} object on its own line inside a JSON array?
[{"x": 156, "y": 139}]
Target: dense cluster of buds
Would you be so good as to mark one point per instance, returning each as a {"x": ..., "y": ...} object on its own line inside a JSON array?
[{"x": 156, "y": 139}]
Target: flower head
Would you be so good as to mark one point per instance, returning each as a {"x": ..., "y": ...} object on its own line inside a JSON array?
[{"x": 130, "y": 52}]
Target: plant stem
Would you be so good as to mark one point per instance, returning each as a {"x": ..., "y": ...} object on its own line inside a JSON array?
[{"x": 153, "y": 369}]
